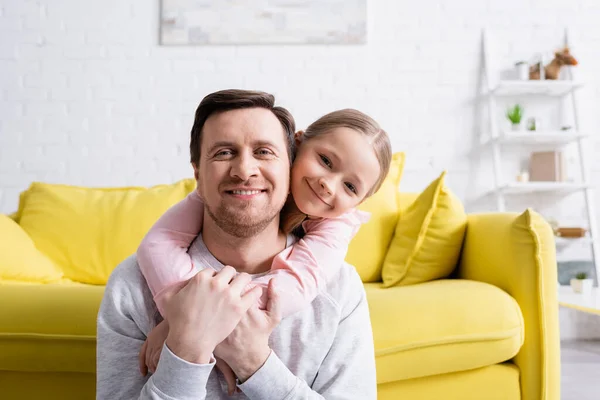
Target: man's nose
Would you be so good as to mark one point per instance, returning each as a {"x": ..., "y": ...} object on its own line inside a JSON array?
[
  {"x": 326, "y": 187},
  {"x": 245, "y": 167}
]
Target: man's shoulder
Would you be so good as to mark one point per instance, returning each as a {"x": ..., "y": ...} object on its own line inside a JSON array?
[
  {"x": 349, "y": 275},
  {"x": 127, "y": 273},
  {"x": 128, "y": 287},
  {"x": 346, "y": 288}
]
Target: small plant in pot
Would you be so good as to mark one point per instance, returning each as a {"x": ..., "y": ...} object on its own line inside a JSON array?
[
  {"x": 514, "y": 115},
  {"x": 582, "y": 284}
]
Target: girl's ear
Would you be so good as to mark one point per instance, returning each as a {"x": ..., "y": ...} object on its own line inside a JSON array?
[{"x": 298, "y": 136}]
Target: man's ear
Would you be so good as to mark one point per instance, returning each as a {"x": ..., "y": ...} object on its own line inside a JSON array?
[
  {"x": 298, "y": 137},
  {"x": 195, "y": 166},
  {"x": 197, "y": 178}
]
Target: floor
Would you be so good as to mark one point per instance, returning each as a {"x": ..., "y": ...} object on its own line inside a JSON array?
[{"x": 580, "y": 369}]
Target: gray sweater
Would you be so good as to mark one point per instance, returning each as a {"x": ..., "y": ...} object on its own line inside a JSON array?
[{"x": 324, "y": 351}]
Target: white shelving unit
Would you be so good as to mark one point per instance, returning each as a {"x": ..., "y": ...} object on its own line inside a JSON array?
[
  {"x": 539, "y": 187},
  {"x": 539, "y": 88},
  {"x": 547, "y": 138},
  {"x": 565, "y": 242},
  {"x": 498, "y": 139},
  {"x": 589, "y": 302}
]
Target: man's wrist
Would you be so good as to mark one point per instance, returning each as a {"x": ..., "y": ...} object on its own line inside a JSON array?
[
  {"x": 189, "y": 350},
  {"x": 247, "y": 365}
]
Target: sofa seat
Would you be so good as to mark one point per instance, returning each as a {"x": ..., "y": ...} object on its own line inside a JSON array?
[
  {"x": 494, "y": 382},
  {"x": 441, "y": 327},
  {"x": 420, "y": 330},
  {"x": 49, "y": 327}
]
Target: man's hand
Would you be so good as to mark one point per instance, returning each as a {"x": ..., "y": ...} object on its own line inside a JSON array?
[
  {"x": 204, "y": 312},
  {"x": 247, "y": 347},
  {"x": 150, "y": 352}
]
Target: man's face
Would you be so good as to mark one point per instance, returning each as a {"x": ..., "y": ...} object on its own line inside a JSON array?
[{"x": 244, "y": 170}]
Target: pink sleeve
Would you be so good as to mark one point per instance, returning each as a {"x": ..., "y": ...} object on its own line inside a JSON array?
[
  {"x": 302, "y": 270},
  {"x": 162, "y": 254}
]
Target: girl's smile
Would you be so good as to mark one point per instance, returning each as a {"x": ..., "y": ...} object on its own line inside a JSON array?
[{"x": 333, "y": 172}]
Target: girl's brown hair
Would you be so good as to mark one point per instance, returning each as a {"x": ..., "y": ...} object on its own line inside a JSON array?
[{"x": 291, "y": 217}]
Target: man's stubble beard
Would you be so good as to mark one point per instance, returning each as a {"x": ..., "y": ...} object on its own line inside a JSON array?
[{"x": 238, "y": 224}]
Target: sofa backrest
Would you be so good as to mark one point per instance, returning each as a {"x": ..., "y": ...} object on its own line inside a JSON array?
[
  {"x": 86, "y": 231},
  {"x": 89, "y": 231}
]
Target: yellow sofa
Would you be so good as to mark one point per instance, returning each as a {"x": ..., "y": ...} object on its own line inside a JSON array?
[{"x": 490, "y": 331}]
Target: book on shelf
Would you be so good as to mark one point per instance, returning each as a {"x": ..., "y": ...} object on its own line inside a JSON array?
[{"x": 547, "y": 166}]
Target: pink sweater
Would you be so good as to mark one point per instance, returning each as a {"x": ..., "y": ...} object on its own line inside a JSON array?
[{"x": 301, "y": 270}]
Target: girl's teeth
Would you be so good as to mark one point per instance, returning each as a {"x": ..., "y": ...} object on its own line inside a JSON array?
[{"x": 246, "y": 192}]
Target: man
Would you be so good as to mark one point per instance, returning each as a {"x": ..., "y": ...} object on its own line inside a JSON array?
[{"x": 241, "y": 150}]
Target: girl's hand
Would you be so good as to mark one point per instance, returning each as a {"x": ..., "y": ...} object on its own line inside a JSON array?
[
  {"x": 205, "y": 311},
  {"x": 247, "y": 347},
  {"x": 150, "y": 352},
  {"x": 229, "y": 376}
]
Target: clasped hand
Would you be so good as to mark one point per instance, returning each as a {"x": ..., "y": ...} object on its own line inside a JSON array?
[{"x": 212, "y": 314}]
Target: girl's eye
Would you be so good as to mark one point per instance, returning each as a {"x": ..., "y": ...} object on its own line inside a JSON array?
[
  {"x": 351, "y": 187},
  {"x": 325, "y": 160}
]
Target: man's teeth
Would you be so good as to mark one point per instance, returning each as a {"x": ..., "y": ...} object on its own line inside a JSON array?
[{"x": 246, "y": 192}]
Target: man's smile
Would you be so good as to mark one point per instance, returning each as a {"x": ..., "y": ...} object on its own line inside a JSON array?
[{"x": 245, "y": 193}]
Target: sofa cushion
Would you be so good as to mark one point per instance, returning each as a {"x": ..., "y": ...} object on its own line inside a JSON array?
[
  {"x": 441, "y": 327},
  {"x": 49, "y": 327},
  {"x": 88, "y": 231},
  {"x": 405, "y": 200},
  {"x": 427, "y": 239},
  {"x": 19, "y": 259},
  {"x": 367, "y": 249},
  {"x": 495, "y": 382}
]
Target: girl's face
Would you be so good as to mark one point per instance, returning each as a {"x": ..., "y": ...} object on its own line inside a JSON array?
[{"x": 333, "y": 172}]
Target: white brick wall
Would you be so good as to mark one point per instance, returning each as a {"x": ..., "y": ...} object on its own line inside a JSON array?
[{"x": 88, "y": 97}]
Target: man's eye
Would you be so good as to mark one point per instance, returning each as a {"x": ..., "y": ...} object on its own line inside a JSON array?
[
  {"x": 223, "y": 153},
  {"x": 351, "y": 187},
  {"x": 325, "y": 160},
  {"x": 264, "y": 152}
]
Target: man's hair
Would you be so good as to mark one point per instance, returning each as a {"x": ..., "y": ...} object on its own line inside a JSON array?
[{"x": 234, "y": 99}]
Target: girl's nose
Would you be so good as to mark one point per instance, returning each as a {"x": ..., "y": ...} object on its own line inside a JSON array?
[{"x": 325, "y": 186}]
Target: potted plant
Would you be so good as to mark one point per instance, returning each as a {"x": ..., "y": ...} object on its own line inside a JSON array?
[
  {"x": 514, "y": 115},
  {"x": 581, "y": 283},
  {"x": 522, "y": 68}
]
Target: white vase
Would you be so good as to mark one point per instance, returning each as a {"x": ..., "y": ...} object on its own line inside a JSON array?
[
  {"x": 516, "y": 127},
  {"x": 583, "y": 286},
  {"x": 522, "y": 71}
]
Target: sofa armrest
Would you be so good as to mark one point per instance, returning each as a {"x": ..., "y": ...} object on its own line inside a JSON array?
[{"x": 517, "y": 254}]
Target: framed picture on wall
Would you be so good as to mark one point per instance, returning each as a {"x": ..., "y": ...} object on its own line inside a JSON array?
[{"x": 208, "y": 22}]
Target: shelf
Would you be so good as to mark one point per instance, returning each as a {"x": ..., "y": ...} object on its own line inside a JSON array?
[
  {"x": 589, "y": 303},
  {"x": 541, "y": 88},
  {"x": 562, "y": 242},
  {"x": 539, "y": 138},
  {"x": 536, "y": 187}
]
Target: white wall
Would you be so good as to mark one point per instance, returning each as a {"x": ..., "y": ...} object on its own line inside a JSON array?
[{"x": 87, "y": 96}]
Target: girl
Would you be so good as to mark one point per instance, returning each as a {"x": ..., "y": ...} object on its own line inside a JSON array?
[{"x": 342, "y": 159}]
